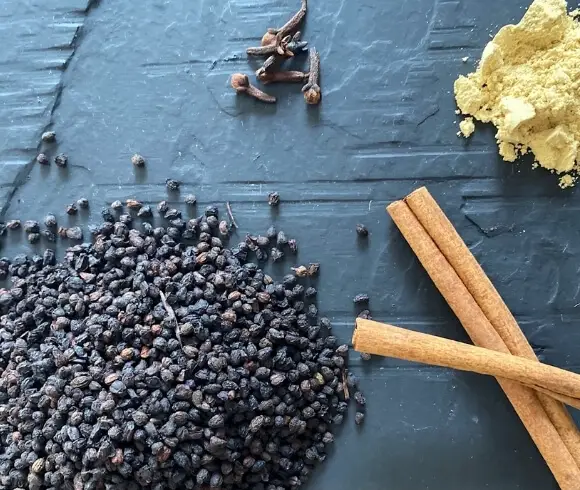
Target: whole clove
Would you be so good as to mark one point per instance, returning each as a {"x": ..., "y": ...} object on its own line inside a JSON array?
[
  {"x": 281, "y": 77},
  {"x": 295, "y": 46},
  {"x": 280, "y": 49},
  {"x": 311, "y": 90},
  {"x": 290, "y": 26},
  {"x": 241, "y": 84}
]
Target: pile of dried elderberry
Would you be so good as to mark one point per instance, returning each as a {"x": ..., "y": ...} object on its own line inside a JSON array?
[{"x": 159, "y": 358}]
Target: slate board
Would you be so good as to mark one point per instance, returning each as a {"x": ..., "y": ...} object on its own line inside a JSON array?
[{"x": 153, "y": 77}]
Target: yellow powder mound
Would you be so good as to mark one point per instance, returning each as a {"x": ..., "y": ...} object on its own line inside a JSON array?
[{"x": 527, "y": 85}]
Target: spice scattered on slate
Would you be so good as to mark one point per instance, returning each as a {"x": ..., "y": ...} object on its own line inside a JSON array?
[
  {"x": 359, "y": 418},
  {"x": 61, "y": 160},
  {"x": 48, "y": 136},
  {"x": 117, "y": 205},
  {"x": 172, "y": 185},
  {"x": 137, "y": 160},
  {"x": 273, "y": 199},
  {"x": 42, "y": 159},
  {"x": 72, "y": 209},
  {"x": 361, "y": 299},
  {"x": 142, "y": 362},
  {"x": 365, "y": 357},
  {"x": 362, "y": 230}
]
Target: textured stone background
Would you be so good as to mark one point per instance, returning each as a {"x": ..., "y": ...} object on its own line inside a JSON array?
[{"x": 152, "y": 76}]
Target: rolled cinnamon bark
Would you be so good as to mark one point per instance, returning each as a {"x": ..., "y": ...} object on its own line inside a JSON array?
[
  {"x": 482, "y": 333},
  {"x": 446, "y": 238},
  {"x": 387, "y": 340}
]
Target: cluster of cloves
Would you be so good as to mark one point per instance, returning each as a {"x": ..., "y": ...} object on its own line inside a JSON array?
[{"x": 278, "y": 45}]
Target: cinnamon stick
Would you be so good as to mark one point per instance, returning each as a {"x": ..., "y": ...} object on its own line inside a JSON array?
[
  {"x": 443, "y": 233},
  {"x": 387, "y": 340},
  {"x": 524, "y": 400}
]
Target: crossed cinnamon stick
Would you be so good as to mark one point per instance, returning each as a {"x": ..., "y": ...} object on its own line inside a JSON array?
[{"x": 491, "y": 326}]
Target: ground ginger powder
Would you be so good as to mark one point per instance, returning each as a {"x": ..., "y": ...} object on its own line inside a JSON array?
[{"x": 528, "y": 85}]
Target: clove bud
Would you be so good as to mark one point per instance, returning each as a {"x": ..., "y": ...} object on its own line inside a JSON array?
[
  {"x": 281, "y": 76},
  {"x": 312, "y": 88},
  {"x": 241, "y": 84}
]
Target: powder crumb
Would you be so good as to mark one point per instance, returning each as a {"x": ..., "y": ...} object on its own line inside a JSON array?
[
  {"x": 567, "y": 181},
  {"x": 464, "y": 59},
  {"x": 527, "y": 84},
  {"x": 467, "y": 127}
]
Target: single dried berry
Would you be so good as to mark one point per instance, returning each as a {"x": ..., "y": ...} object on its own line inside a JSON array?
[
  {"x": 134, "y": 204},
  {"x": 50, "y": 220},
  {"x": 31, "y": 226},
  {"x": 83, "y": 203},
  {"x": 224, "y": 228},
  {"x": 72, "y": 209},
  {"x": 74, "y": 233},
  {"x": 48, "y": 136},
  {"x": 144, "y": 211},
  {"x": 42, "y": 159},
  {"x": 362, "y": 230},
  {"x": 116, "y": 205},
  {"x": 172, "y": 184},
  {"x": 61, "y": 160},
  {"x": 13, "y": 224},
  {"x": 137, "y": 160},
  {"x": 190, "y": 199},
  {"x": 359, "y": 418},
  {"x": 273, "y": 199},
  {"x": 365, "y": 357},
  {"x": 361, "y": 299},
  {"x": 33, "y": 237}
]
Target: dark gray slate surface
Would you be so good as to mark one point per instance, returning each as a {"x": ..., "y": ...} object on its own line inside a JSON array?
[{"x": 153, "y": 76}]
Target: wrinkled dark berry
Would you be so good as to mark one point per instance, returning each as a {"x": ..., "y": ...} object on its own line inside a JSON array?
[
  {"x": 137, "y": 160},
  {"x": 42, "y": 159},
  {"x": 190, "y": 199},
  {"x": 273, "y": 199},
  {"x": 361, "y": 299},
  {"x": 172, "y": 184},
  {"x": 61, "y": 160},
  {"x": 362, "y": 230}
]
